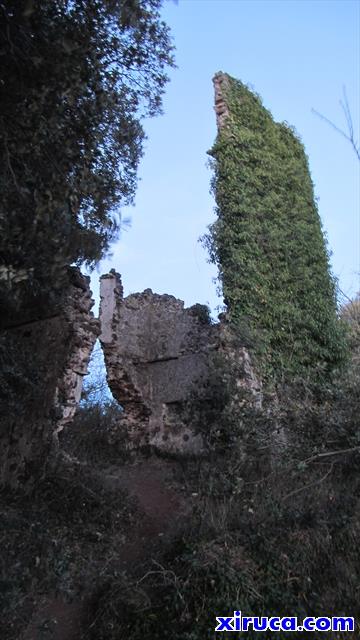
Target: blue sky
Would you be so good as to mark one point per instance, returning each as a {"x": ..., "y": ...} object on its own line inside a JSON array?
[{"x": 297, "y": 55}]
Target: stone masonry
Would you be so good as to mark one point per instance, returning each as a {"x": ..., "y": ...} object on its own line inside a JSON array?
[
  {"x": 47, "y": 359},
  {"x": 220, "y": 82},
  {"x": 83, "y": 330},
  {"x": 156, "y": 355}
]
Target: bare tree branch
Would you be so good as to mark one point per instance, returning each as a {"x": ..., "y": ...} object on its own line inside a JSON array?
[{"x": 349, "y": 133}]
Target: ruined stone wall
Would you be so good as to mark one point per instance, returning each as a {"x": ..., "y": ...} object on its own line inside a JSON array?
[
  {"x": 220, "y": 82},
  {"x": 156, "y": 354},
  {"x": 159, "y": 357},
  {"x": 239, "y": 362},
  {"x": 43, "y": 363},
  {"x": 83, "y": 330}
]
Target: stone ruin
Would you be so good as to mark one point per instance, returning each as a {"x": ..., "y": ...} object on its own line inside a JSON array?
[
  {"x": 221, "y": 109},
  {"x": 159, "y": 359},
  {"x": 58, "y": 349},
  {"x": 82, "y": 329},
  {"x": 157, "y": 353},
  {"x": 157, "y": 356}
]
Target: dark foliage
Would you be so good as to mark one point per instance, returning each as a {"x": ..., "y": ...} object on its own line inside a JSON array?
[
  {"x": 59, "y": 540},
  {"x": 275, "y": 530},
  {"x": 96, "y": 434},
  {"x": 76, "y": 79}
]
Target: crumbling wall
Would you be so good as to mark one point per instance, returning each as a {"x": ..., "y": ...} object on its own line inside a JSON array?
[
  {"x": 83, "y": 330},
  {"x": 220, "y": 81},
  {"x": 159, "y": 357},
  {"x": 43, "y": 362},
  {"x": 156, "y": 354},
  {"x": 239, "y": 362}
]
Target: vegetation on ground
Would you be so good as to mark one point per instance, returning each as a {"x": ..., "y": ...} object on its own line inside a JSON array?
[{"x": 275, "y": 526}]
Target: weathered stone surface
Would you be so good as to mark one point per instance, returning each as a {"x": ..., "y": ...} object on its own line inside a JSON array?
[
  {"x": 156, "y": 355},
  {"x": 83, "y": 330},
  {"x": 239, "y": 362},
  {"x": 43, "y": 364},
  {"x": 159, "y": 357},
  {"x": 221, "y": 109}
]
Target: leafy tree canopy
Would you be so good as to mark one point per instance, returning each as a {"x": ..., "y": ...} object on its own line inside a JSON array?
[{"x": 76, "y": 78}]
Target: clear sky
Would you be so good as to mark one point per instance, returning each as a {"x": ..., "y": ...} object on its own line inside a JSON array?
[{"x": 297, "y": 55}]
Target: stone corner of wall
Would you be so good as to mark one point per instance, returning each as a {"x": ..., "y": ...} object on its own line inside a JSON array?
[
  {"x": 83, "y": 330},
  {"x": 220, "y": 81}
]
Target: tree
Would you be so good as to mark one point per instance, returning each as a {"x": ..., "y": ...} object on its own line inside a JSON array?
[{"x": 76, "y": 79}]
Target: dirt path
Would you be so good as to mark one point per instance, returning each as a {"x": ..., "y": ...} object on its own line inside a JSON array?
[
  {"x": 160, "y": 508},
  {"x": 160, "y": 505}
]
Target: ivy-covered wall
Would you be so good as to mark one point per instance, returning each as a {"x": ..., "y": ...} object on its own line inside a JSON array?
[{"x": 267, "y": 240}]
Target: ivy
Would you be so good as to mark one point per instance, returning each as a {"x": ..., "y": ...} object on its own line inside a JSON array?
[{"x": 268, "y": 242}]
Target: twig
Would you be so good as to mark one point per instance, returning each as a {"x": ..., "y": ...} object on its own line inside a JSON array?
[
  {"x": 349, "y": 135},
  {"x": 10, "y": 165},
  {"x": 345, "y": 295},
  {"x": 306, "y": 486},
  {"x": 327, "y": 454}
]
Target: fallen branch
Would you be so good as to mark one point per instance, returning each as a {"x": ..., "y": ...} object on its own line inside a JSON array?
[
  {"x": 307, "y": 486},
  {"x": 328, "y": 454}
]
